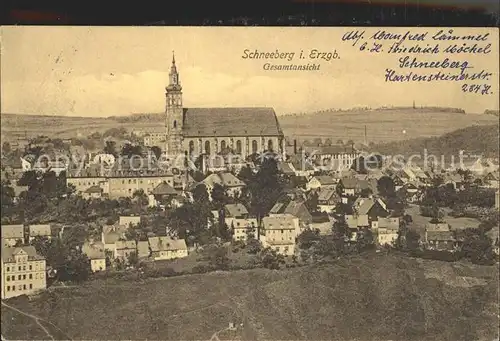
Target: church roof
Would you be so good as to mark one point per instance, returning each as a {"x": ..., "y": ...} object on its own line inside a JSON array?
[{"x": 230, "y": 122}]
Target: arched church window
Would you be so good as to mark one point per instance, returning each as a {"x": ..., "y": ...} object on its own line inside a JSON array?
[
  {"x": 270, "y": 145},
  {"x": 223, "y": 145},
  {"x": 254, "y": 146},
  {"x": 238, "y": 147},
  {"x": 175, "y": 124},
  {"x": 207, "y": 147},
  {"x": 191, "y": 147}
]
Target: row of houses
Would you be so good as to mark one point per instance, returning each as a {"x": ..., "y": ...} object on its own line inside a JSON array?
[{"x": 13, "y": 235}]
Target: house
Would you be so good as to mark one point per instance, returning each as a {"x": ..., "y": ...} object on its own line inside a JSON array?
[
  {"x": 228, "y": 181},
  {"x": 23, "y": 271},
  {"x": 321, "y": 181},
  {"x": 321, "y": 221},
  {"x": 327, "y": 200},
  {"x": 124, "y": 248},
  {"x": 353, "y": 186},
  {"x": 93, "y": 192},
  {"x": 387, "y": 230},
  {"x": 280, "y": 233},
  {"x": 301, "y": 166},
  {"x": 491, "y": 180},
  {"x": 164, "y": 193},
  {"x": 12, "y": 234},
  {"x": 18, "y": 190},
  {"x": 241, "y": 227},
  {"x": 128, "y": 220},
  {"x": 296, "y": 208},
  {"x": 332, "y": 158},
  {"x": 356, "y": 223},
  {"x": 455, "y": 180},
  {"x": 438, "y": 236},
  {"x": 373, "y": 208},
  {"x": 42, "y": 230},
  {"x": 96, "y": 254},
  {"x": 163, "y": 248},
  {"x": 285, "y": 169},
  {"x": 110, "y": 235},
  {"x": 235, "y": 211}
]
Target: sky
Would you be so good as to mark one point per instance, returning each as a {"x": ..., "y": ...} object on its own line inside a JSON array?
[{"x": 105, "y": 71}]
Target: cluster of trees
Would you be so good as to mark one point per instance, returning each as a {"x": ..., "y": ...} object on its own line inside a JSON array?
[
  {"x": 447, "y": 196},
  {"x": 64, "y": 255}
]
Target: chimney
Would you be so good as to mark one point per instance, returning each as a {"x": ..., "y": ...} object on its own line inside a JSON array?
[{"x": 294, "y": 146}]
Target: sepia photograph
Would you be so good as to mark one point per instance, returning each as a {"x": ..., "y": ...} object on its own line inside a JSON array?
[{"x": 249, "y": 183}]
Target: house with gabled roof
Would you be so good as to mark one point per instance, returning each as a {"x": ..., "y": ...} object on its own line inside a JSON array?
[
  {"x": 327, "y": 199},
  {"x": 321, "y": 181},
  {"x": 163, "y": 248},
  {"x": 386, "y": 230},
  {"x": 96, "y": 255},
  {"x": 228, "y": 181},
  {"x": 296, "y": 208},
  {"x": 280, "y": 232},
  {"x": 237, "y": 210},
  {"x": 22, "y": 271},
  {"x": 12, "y": 234},
  {"x": 39, "y": 230}
]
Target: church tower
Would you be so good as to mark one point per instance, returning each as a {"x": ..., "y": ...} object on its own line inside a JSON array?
[{"x": 174, "y": 112}]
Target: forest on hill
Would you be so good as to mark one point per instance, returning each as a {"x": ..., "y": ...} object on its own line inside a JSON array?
[{"x": 472, "y": 140}]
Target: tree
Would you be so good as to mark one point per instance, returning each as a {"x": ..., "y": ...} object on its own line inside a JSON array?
[
  {"x": 110, "y": 148},
  {"x": 76, "y": 268},
  {"x": 328, "y": 142},
  {"x": 270, "y": 259},
  {"x": 132, "y": 259},
  {"x": 265, "y": 188},
  {"x": 308, "y": 238},
  {"x": 200, "y": 194},
  {"x": 7, "y": 199},
  {"x": 312, "y": 202},
  {"x": 219, "y": 196},
  {"x": 412, "y": 240},
  {"x": 341, "y": 234},
  {"x": 340, "y": 142},
  {"x": 478, "y": 247},
  {"x": 130, "y": 150},
  {"x": 253, "y": 246},
  {"x": 386, "y": 187},
  {"x": 364, "y": 240},
  {"x": 217, "y": 257},
  {"x": 156, "y": 151},
  {"x": 6, "y": 149}
]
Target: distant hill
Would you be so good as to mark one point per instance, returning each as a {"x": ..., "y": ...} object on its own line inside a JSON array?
[
  {"x": 374, "y": 297},
  {"x": 382, "y": 125},
  {"x": 492, "y": 112},
  {"x": 475, "y": 139}
]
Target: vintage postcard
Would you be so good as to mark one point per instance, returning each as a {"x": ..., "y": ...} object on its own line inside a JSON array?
[{"x": 218, "y": 183}]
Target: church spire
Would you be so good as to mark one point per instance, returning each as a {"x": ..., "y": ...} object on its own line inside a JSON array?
[{"x": 174, "y": 75}]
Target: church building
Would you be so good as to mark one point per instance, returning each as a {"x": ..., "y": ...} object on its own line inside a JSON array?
[{"x": 210, "y": 131}]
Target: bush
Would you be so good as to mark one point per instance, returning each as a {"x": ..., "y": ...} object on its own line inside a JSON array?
[
  {"x": 444, "y": 256},
  {"x": 200, "y": 269}
]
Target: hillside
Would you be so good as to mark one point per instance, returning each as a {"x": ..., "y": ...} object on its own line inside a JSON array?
[
  {"x": 382, "y": 125},
  {"x": 381, "y": 297},
  {"x": 473, "y": 140}
]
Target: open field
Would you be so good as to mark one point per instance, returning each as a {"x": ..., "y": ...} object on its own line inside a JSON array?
[
  {"x": 381, "y": 125},
  {"x": 420, "y": 221},
  {"x": 373, "y": 297}
]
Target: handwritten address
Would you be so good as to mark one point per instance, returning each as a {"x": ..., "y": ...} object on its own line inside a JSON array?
[{"x": 418, "y": 53}]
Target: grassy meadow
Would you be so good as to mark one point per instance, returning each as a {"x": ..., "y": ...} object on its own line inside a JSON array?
[{"x": 372, "y": 297}]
